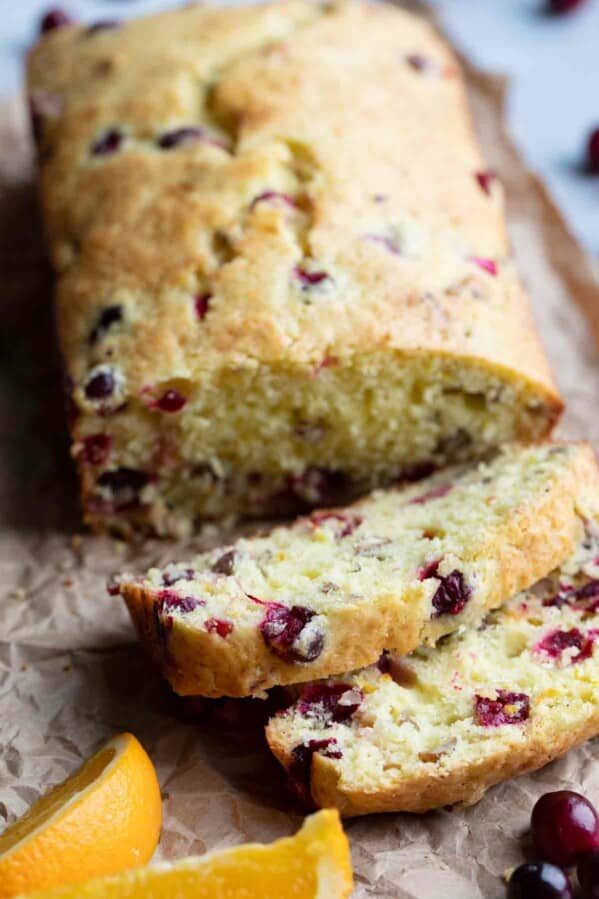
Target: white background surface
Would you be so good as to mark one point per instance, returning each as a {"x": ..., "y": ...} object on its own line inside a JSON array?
[{"x": 553, "y": 62}]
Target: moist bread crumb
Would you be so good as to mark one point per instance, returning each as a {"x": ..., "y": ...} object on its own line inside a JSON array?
[
  {"x": 443, "y": 724},
  {"x": 333, "y": 590}
]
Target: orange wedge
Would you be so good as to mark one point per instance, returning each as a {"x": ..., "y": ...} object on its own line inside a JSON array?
[
  {"x": 314, "y": 864},
  {"x": 103, "y": 819}
]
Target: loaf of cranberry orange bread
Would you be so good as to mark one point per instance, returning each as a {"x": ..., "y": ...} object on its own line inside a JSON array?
[
  {"x": 333, "y": 590},
  {"x": 283, "y": 273},
  {"x": 443, "y": 724}
]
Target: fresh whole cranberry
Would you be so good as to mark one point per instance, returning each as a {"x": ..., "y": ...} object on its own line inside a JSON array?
[
  {"x": 100, "y": 386},
  {"x": 539, "y": 880},
  {"x": 588, "y": 874},
  {"x": 201, "y": 303},
  {"x": 54, "y": 18},
  {"x": 301, "y": 765},
  {"x": 564, "y": 825},
  {"x": 171, "y": 401},
  {"x": 283, "y": 631},
  {"x": 593, "y": 152},
  {"x": 506, "y": 708},
  {"x": 107, "y": 143},
  {"x": 330, "y": 702},
  {"x": 561, "y": 6},
  {"x": 96, "y": 449},
  {"x": 451, "y": 595}
]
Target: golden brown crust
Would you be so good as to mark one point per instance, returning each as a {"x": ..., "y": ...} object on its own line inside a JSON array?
[
  {"x": 433, "y": 789},
  {"x": 538, "y": 537},
  {"x": 120, "y": 211},
  {"x": 413, "y": 245},
  {"x": 197, "y": 664}
]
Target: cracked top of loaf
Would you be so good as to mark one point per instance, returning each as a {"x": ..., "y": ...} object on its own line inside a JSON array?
[{"x": 290, "y": 184}]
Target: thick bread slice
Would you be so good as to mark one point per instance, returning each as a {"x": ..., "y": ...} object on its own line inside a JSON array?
[
  {"x": 446, "y": 723},
  {"x": 398, "y": 569}
]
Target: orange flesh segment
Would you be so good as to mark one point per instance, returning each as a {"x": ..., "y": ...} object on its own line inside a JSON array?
[
  {"x": 104, "y": 819},
  {"x": 56, "y": 800},
  {"x": 314, "y": 864}
]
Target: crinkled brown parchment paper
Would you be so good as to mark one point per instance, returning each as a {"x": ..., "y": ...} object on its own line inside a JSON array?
[{"x": 70, "y": 671}]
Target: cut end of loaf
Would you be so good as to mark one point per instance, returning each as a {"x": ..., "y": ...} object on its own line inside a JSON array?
[{"x": 277, "y": 442}]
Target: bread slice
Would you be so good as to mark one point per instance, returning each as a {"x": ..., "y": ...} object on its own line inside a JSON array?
[
  {"x": 446, "y": 723},
  {"x": 282, "y": 265},
  {"x": 332, "y": 591}
]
